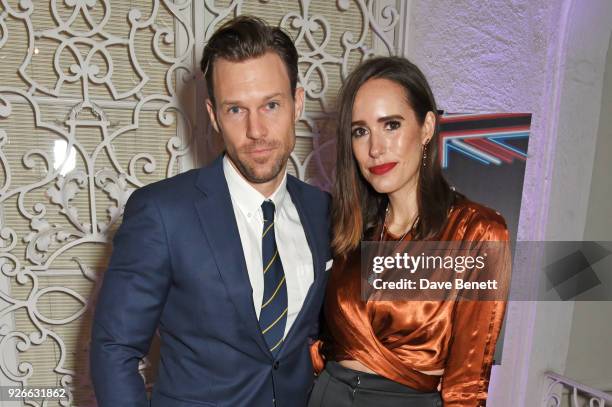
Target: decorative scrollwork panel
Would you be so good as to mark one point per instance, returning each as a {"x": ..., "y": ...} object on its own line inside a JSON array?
[{"x": 101, "y": 97}]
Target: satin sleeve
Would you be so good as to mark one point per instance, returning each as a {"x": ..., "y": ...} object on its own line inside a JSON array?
[
  {"x": 316, "y": 356},
  {"x": 475, "y": 330}
]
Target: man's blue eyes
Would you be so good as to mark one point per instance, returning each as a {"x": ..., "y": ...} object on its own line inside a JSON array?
[{"x": 269, "y": 106}]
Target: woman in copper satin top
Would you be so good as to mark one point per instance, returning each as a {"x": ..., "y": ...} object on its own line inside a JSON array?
[{"x": 389, "y": 186}]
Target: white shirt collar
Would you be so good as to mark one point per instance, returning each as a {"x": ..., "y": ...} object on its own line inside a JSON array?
[{"x": 247, "y": 198}]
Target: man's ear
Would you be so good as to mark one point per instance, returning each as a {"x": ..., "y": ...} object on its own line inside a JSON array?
[
  {"x": 298, "y": 100},
  {"x": 212, "y": 114}
]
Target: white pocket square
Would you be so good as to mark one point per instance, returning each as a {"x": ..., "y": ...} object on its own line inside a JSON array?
[{"x": 328, "y": 264}]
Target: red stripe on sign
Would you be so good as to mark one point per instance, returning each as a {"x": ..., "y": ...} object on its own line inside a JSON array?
[
  {"x": 490, "y": 130},
  {"x": 461, "y": 118},
  {"x": 494, "y": 149}
]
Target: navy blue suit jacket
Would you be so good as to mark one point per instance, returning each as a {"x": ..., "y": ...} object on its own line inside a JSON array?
[{"x": 178, "y": 264}]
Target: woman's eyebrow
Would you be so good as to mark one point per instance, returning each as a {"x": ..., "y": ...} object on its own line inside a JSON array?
[{"x": 380, "y": 119}]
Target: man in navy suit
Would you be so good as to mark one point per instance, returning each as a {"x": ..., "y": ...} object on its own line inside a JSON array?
[{"x": 229, "y": 261}]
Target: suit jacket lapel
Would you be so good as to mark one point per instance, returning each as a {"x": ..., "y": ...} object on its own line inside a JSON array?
[
  {"x": 216, "y": 214},
  {"x": 306, "y": 221}
]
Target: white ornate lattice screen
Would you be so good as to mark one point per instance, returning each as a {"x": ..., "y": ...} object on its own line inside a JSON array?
[{"x": 100, "y": 97}]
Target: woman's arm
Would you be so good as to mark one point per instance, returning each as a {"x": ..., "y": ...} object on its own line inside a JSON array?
[
  {"x": 468, "y": 367},
  {"x": 475, "y": 330}
]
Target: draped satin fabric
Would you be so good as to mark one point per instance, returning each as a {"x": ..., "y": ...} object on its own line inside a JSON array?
[{"x": 397, "y": 339}]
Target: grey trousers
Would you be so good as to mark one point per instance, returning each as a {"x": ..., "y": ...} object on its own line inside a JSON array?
[{"x": 338, "y": 386}]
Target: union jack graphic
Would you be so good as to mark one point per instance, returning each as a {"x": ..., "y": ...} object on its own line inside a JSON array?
[{"x": 486, "y": 138}]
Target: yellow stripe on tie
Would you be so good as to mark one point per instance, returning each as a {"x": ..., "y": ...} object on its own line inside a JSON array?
[
  {"x": 274, "y": 323},
  {"x": 275, "y": 292},
  {"x": 271, "y": 261},
  {"x": 277, "y": 344},
  {"x": 267, "y": 229}
]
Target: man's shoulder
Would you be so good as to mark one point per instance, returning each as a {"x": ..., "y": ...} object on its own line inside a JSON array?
[{"x": 170, "y": 188}]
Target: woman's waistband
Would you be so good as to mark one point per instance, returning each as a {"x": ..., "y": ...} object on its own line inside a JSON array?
[{"x": 366, "y": 380}]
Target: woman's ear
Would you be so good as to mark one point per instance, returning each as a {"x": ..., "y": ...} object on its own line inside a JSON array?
[{"x": 429, "y": 125}]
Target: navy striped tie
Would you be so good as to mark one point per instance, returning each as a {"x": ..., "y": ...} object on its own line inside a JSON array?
[{"x": 273, "y": 315}]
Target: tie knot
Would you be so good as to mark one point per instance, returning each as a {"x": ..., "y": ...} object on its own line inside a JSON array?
[{"x": 268, "y": 210}]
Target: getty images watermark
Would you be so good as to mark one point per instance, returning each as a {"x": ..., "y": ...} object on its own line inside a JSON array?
[
  {"x": 435, "y": 270},
  {"x": 458, "y": 264},
  {"x": 486, "y": 271}
]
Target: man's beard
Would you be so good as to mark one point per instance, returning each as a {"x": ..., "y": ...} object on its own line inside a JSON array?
[{"x": 249, "y": 169}]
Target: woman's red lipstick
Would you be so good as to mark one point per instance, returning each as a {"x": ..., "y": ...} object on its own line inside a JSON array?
[{"x": 383, "y": 168}]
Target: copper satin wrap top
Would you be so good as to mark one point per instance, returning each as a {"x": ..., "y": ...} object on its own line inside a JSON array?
[{"x": 397, "y": 338}]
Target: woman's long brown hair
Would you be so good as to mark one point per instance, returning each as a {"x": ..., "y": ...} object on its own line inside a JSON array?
[{"x": 357, "y": 208}]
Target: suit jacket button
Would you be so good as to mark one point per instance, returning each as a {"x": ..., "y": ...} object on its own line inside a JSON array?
[{"x": 275, "y": 366}]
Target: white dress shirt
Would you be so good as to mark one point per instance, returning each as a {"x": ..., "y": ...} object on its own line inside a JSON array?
[{"x": 290, "y": 239}]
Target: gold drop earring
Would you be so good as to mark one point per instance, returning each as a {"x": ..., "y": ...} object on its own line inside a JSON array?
[{"x": 425, "y": 153}]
